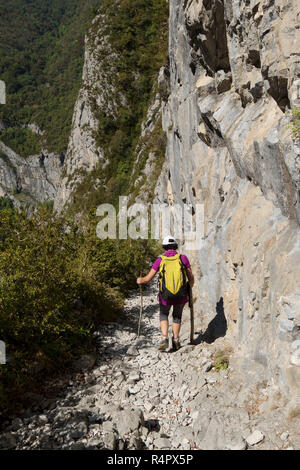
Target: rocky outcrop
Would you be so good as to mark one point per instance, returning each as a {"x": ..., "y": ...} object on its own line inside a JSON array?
[
  {"x": 99, "y": 97},
  {"x": 150, "y": 149},
  {"x": 27, "y": 181},
  {"x": 97, "y": 93},
  {"x": 234, "y": 68},
  {"x": 2, "y": 93}
]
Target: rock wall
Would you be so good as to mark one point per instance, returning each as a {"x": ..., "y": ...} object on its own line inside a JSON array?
[
  {"x": 234, "y": 67},
  {"x": 99, "y": 94},
  {"x": 96, "y": 91},
  {"x": 27, "y": 181}
]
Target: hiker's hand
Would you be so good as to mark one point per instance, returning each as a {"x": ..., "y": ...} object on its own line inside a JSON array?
[{"x": 146, "y": 279}]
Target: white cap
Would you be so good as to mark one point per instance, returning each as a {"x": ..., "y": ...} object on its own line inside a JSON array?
[{"x": 168, "y": 240}]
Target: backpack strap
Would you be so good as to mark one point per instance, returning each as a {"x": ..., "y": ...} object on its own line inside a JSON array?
[
  {"x": 183, "y": 270},
  {"x": 162, "y": 274},
  {"x": 159, "y": 272}
]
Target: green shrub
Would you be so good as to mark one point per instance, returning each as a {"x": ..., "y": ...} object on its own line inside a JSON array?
[
  {"x": 5, "y": 203},
  {"x": 294, "y": 126},
  {"x": 221, "y": 361}
]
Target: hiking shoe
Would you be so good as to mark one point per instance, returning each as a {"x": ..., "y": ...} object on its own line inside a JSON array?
[
  {"x": 164, "y": 344},
  {"x": 175, "y": 344}
]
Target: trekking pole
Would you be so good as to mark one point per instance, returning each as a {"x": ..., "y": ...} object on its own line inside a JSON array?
[
  {"x": 191, "y": 305},
  {"x": 141, "y": 307}
]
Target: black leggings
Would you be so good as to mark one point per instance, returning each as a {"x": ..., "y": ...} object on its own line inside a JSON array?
[{"x": 164, "y": 311}]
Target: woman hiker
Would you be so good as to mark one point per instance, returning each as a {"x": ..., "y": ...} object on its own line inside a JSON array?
[{"x": 173, "y": 270}]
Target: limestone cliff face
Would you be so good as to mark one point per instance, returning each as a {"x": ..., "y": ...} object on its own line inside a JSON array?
[
  {"x": 234, "y": 67},
  {"x": 28, "y": 181},
  {"x": 96, "y": 91},
  {"x": 99, "y": 95}
]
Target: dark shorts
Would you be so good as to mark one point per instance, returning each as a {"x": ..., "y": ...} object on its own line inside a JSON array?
[{"x": 164, "y": 311}]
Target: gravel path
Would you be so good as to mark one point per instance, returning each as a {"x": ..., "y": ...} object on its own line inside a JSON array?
[{"x": 136, "y": 397}]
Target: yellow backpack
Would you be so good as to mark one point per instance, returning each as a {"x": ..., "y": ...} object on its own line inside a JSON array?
[{"x": 172, "y": 278}]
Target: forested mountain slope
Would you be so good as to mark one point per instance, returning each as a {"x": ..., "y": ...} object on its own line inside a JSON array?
[{"x": 41, "y": 57}]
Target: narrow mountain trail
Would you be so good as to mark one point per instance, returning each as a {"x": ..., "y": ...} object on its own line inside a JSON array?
[{"x": 136, "y": 397}]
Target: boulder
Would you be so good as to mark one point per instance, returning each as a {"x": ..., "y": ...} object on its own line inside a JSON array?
[
  {"x": 254, "y": 438},
  {"x": 83, "y": 363},
  {"x": 129, "y": 420}
]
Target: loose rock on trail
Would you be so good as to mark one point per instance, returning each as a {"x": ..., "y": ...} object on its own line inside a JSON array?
[{"x": 136, "y": 397}]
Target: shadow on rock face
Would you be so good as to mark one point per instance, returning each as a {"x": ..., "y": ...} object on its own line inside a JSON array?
[{"x": 216, "y": 328}]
